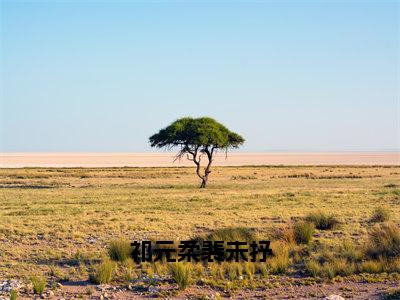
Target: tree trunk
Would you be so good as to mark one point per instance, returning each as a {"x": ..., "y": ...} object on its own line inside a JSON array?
[
  {"x": 204, "y": 182},
  {"x": 207, "y": 171}
]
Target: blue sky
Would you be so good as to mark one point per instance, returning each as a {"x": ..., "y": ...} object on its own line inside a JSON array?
[{"x": 292, "y": 76}]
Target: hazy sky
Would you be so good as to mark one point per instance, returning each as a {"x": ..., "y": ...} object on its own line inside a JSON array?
[{"x": 87, "y": 76}]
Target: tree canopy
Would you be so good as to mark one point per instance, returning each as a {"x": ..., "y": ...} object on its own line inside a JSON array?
[
  {"x": 197, "y": 136},
  {"x": 201, "y": 132}
]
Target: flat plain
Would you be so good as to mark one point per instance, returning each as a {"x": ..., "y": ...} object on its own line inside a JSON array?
[{"x": 56, "y": 223}]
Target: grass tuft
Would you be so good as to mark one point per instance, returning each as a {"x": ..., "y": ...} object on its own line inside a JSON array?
[
  {"x": 103, "y": 273},
  {"x": 279, "y": 262},
  {"x": 349, "y": 251},
  {"x": 313, "y": 268},
  {"x": 371, "y": 266},
  {"x": 128, "y": 270},
  {"x": 303, "y": 232},
  {"x": 322, "y": 221},
  {"x": 181, "y": 274},
  {"x": 250, "y": 270},
  {"x": 384, "y": 241},
  {"x": 380, "y": 214},
  {"x": 13, "y": 295},
  {"x": 119, "y": 250},
  {"x": 232, "y": 234},
  {"x": 38, "y": 284}
]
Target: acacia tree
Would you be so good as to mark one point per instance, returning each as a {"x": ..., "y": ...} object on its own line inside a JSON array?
[{"x": 197, "y": 138}]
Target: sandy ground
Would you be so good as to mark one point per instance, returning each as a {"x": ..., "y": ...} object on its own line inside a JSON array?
[
  {"x": 346, "y": 289},
  {"x": 17, "y": 160}
]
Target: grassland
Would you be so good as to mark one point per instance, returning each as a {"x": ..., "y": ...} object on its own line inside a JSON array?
[{"x": 57, "y": 223}]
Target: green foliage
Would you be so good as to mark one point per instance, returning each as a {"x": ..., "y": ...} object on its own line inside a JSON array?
[
  {"x": 303, "y": 232},
  {"x": 384, "y": 241},
  {"x": 13, "y": 295},
  {"x": 119, "y": 250},
  {"x": 38, "y": 284},
  {"x": 322, "y": 221},
  {"x": 201, "y": 132},
  {"x": 103, "y": 273},
  {"x": 181, "y": 274},
  {"x": 380, "y": 214}
]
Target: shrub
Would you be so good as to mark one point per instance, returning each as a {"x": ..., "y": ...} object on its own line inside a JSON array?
[
  {"x": 38, "y": 284},
  {"x": 380, "y": 214},
  {"x": 103, "y": 273},
  {"x": 181, "y": 274},
  {"x": 322, "y": 221},
  {"x": 384, "y": 241},
  {"x": 119, "y": 250},
  {"x": 13, "y": 295},
  {"x": 303, "y": 232}
]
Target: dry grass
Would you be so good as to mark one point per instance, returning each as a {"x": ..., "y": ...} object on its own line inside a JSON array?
[
  {"x": 380, "y": 214},
  {"x": 384, "y": 241},
  {"x": 119, "y": 250},
  {"x": 67, "y": 217},
  {"x": 181, "y": 274},
  {"x": 103, "y": 273},
  {"x": 303, "y": 232},
  {"x": 322, "y": 221}
]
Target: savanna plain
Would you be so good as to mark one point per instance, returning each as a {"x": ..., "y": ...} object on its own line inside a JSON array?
[{"x": 65, "y": 232}]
